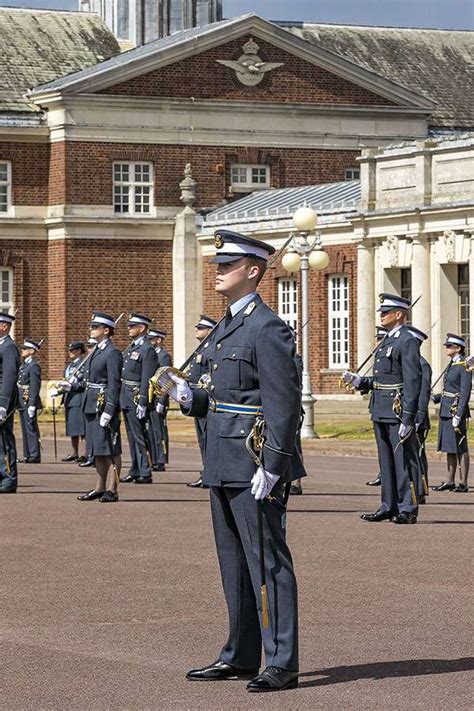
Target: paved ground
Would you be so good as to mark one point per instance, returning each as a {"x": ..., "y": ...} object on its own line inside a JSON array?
[{"x": 106, "y": 607}]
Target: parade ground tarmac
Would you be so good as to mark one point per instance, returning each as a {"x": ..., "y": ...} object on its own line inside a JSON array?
[{"x": 106, "y": 606}]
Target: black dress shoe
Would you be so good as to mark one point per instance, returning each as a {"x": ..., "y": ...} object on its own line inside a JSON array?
[
  {"x": 376, "y": 516},
  {"x": 127, "y": 479},
  {"x": 461, "y": 489},
  {"x": 196, "y": 484},
  {"x": 374, "y": 482},
  {"x": 70, "y": 458},
  {"x": 33, "y": 460},
  {"x": 8, "y": 489},
  {"x": 404, "y": 517},
  {"x": 109, "y": 497},
  {"x": 274, "y": 679},
  {"x": 220, "y": 671},
  {"x": 295, "y": 490},
  {"x": 159, "y": 468},
  {"x": 144, "y": 480},
  {"x": 87, "y": 463},
  {"x": 444, "y": 486},
  {"x": 91, "y": 495},
  {"x": 20, "y": 460}
]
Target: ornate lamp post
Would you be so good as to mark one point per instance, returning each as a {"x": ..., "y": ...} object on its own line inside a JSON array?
[{"x": 305, "y": 255}]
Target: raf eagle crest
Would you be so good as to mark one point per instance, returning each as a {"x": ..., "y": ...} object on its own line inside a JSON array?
[{"x": 249, "y": 68}]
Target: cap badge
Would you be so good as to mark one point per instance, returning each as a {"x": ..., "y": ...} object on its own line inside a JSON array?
[
  {"x": 218, "y": 242},
  {"x": 381, "y": 299}
]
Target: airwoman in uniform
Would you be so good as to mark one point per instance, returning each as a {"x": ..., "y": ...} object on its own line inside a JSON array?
[
  {"x": 73, "y": 395},
  {"x": 90, "y": 345},
  {"x": 453, "y": 415},
  {"x": 139, "y": 363},
  {"x": 159, "y": 408},
  {"x": 422, "y": 421},
  {"x": 253, "y": 376},
  {"x": 380, "y": 333},
  {"x": 29, "y": 402},
  {"x": 198, "y": 369},
  {"x": 395, "y": 386},
  {"x": 101, "y": 408},
  {"x": 9, "y": 366}
]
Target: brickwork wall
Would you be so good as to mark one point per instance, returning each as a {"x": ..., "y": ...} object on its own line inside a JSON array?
[
  {"x": 57, "y": 174},
  {"x": 343, "y": 260},
  {"x": 201, "y": 76},
  {"x": 89, "y": 179},
  {"x": 29, "y": 169}
]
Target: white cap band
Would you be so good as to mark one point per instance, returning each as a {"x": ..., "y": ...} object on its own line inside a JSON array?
[
  {"x": 242, "y": 249},
  {"x": 103, "y": 320}
]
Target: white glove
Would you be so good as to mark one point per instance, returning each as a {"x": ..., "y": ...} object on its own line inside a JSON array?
[
  {"x": 404, "y": 431},
  {"x": 141, "y": 411},
  {"x": 3, "y": 414},
  {"x": 180, "y": 391},
  {"x": 104, "y": 419},
  {"x": 160, "y": 408},
  {"x": 456, "y": 421},
  {"x": 351, "y": 378},
  {"x": 262, "y": 483},
  {"x": 64, "y": 386},
  {"x": 31, "y": 412}
]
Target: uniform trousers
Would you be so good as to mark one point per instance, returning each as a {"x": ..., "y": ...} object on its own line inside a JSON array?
[
  {"x": 30, "y": 435},
  {"x": 200, "y": 425},
  {"x": 8, "y": 453},
  {"x": 159, "y": 438},
  {"x": 234, "y": 517},
  {"x": 398, "y": 468},
  {"x": 138, "y": 441}
]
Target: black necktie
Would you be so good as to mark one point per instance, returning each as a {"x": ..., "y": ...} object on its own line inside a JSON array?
[{"x": 228, "y": 316}]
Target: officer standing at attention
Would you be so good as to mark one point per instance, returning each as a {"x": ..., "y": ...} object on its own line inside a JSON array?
[
  {"x": 73, "y": 394},
  {"x": 159, "y": 408},
  {"x": 253, "y": 375},
  {"x": 9, "y": 366},
  {"x": 139, "y": 364},
  {"x": 380, "y": 333},
  {"x": 90, "y": 345},
  {"x": 29, "y": 402},
  {"x": 453, "y": 415},
  {"x": 395, "y": 386},
  {"x": 198, "y": 369},
  {"x": 422, "y": 421},
  {"x": 101, "y": 408}
]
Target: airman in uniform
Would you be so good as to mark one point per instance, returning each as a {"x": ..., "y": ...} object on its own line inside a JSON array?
[
  {"x": 159, "y": 408},
  {"x": 90, "y": 345},
  {"x": 73, "y": 395},
  {"x": 9, "y": 366},
  {"x": 198, "y": 369},
  {"x": 253, "y": 376},
  {"x": 395, "y": 386},
  {"x": 29, "y": 402},
  {"x": 422, "y": 421},
  {"x": 380, "y": 333},
  {"x": 101, "y": 408},
  {"x": 453, "y": 415},
  {"x": 139, "y": 364}
]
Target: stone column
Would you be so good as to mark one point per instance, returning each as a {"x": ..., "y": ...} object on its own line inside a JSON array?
[
  {"x": 471, "y": 292},
  {"x": 421, "y": 285},
  {"x": 365, "y": 300},
  {"x": 187, "y": 273}
]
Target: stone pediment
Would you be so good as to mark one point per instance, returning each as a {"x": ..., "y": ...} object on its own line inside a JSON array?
[{"x": 201, "y": 63}]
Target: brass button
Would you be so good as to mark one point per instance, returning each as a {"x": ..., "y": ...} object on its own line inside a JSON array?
[
  {"x": 378, "y": 360},
  {"x": 215, "y": 366},
  {"x": 376, "y": 371},
  {"x": 242, "y": 431},
  {"x": 219, "y": 346},
  {"x": 212, "y": 387}
]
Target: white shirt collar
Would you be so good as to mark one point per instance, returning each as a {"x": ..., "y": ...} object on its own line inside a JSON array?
[
  {"x": 394, "y": 330},
  {"x": 457, "y": 358},
  {"x": 138, "y": 341},
  {"x": 103, "y": 344},
  {"x": 241, "y": 303},
  {"x": 29, "y": 359}
]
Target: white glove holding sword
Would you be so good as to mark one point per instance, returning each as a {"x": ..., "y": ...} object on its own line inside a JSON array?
[{"x": 177, "y": 388}]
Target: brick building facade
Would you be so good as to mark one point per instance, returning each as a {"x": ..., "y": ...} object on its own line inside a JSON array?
[{"x": 92, "y": 159}]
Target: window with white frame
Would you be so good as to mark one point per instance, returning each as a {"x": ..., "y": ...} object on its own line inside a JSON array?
[
  {"x": 6, "y": 290},
  {"x": 338, "y": 317},
  {"x": 244, "y": 178},
  {"x": 5, "y": 186},
  {"x": 133, "y": 188},
  {"x": 352, "y": 174},
  {"x": 288, "y": 301}
]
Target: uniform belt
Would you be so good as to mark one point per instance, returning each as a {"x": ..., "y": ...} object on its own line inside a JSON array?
[
  {"x": 383, "y": 386},
  {"x": 234, "y": 409},
  {"x": 133, "y": 383},
  {"x": 23, "y": 386},
  {"x": 96, "y": 386},
  {"x": 446, "y": 394}
]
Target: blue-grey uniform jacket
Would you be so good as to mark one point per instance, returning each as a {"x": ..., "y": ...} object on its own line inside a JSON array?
[
  {"x": 200, "y": 364},
  {"x": 397, "y": 369},
  {"x": 422, "y": 417},
  {"x": 29, "y": 384},
  {"x": 74, "y": 396},
  {"x": 139, "y": 364},
  {"x": 251, "y": 362},
  {"x": 103, "y": 368},
  {"x": 163, "y": 358},
  {"x": 9, "y": 366},
  {"x": 457, "y": 384}
]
